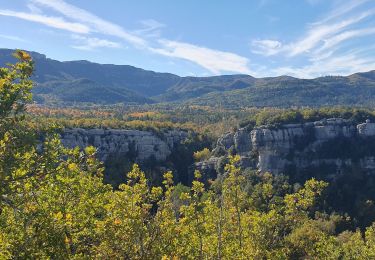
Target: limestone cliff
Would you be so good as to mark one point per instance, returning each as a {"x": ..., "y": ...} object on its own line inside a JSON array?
[
  {"x": 140, "y": 145},
  {"x": 333, "y": 144}
]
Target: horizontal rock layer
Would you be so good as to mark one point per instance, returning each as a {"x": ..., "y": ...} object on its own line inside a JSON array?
[
  {"x": 140, "y": 145},
  {"x": 300, "y": 146}
]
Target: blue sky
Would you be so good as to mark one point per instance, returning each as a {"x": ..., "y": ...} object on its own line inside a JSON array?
[{"x": 302, "y": 38}]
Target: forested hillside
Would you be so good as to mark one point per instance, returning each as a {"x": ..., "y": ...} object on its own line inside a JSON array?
[
  {"x": 83, "y": 83},
  {"x": 354, "y": 90}
]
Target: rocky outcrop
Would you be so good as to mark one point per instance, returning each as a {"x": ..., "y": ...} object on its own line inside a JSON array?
[
  {"x": 335, "y": 143},
  {"x": 139, "y": 145},
  {"x": 366, "y": 129}
]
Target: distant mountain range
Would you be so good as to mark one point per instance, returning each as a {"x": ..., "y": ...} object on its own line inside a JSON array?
[{"x": 84, "y": 82}]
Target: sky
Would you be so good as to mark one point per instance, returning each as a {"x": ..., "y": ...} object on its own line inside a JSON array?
[{"x": 301, "y": 38}]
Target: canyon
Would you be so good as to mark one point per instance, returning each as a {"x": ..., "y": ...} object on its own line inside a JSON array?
[{"x": 327, "y": 147}]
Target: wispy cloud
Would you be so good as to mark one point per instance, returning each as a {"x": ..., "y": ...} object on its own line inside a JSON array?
[
  {"x": 317, "y": 34},
  {"x": 342, "y": 9},
  {"x": 55, "y": 22},
  {"x": 12, "y": 38},
  {"x": 91, "y": 43},
  {"x": 98, "y": 24},
  {"x": 322, "y": 45},
  {"x": 266, "y": 47},
  {"x": 339, "y": 65},
  {"x": 213, "y": 60},
  {"x": 150, "y": 28},
  {"x": 337, "y": 39},
  {"x": 84, "y": 24},
  {"x": 34, "y": 9}
]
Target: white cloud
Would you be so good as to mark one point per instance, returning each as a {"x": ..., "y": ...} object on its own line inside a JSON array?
[
  {"x": 213, "y": 60},
  {"x": 320, "y": 45},
  {"x": 321, "y": 48},
  {"x": 150, "y": 28},
  {"x": 347, "y": 63},
  {"x": 341, "y": 9},
  {"x": 337, "y": 39},
  {"x": 34, "y": 9},
  {"x": 99, "y": 25},
  {"x": 266, "y": 47},
  {"x": 85, "y": 22},
  {"x": 91, "y": 43},
  {"x": 325, "y": 32},
  {"x": 317, "y": 34},
  {"x": 55, "y": 22}
]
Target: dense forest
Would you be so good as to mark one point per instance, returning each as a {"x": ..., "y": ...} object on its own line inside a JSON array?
[{"x": 55, "y": 205}]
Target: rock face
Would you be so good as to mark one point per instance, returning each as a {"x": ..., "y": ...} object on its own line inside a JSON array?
[
  {"x": 334, "y": 143},
  {"x": 140, "y": 145}
]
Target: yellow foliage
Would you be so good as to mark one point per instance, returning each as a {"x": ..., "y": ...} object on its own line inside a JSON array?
[
  {"x": 202, "y": 155},
  {"x": 144, "y": 114},
  {"x": 22, "y": 55}
]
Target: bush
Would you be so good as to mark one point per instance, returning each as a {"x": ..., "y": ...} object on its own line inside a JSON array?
[{"x": 202, "y": 155}]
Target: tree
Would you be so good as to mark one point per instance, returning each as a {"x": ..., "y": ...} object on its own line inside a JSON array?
[
  {"x": 128, "y": 229},
  {"x": 15, "y": 86},
  {"x": 235, "y": 199},
  {"x": 51, "y": 197},
  {"x": 16, "y": 140}
]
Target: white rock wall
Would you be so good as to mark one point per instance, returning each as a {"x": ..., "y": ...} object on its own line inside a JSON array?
[
  {"x": 144, "y": 144},
  {"x": 273, "y": 146}
]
